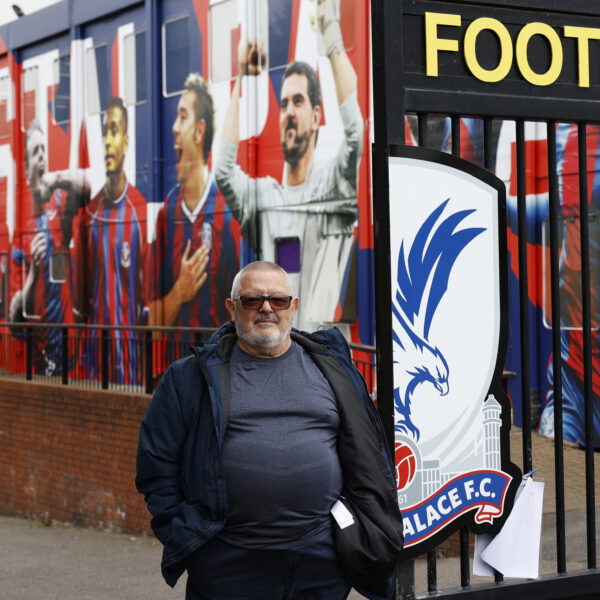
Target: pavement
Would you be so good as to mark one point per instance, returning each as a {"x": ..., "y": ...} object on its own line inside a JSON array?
[{"x": 63, "y": 562}]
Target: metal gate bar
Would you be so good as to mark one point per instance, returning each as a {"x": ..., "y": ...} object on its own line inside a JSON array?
[
  {"x": 553, "y": 202},
  {"x": 587, "y": 344},
  {"x": 523, "y": 296},
  {"x": 581, "y": 586},
  {"x": 547, "y": 586},
  {"x": 422, "y": 130},
  {"x": 431, "y": 571},
  {"x": 488, "y": 148},
  {"x": 488, "y": 158}
]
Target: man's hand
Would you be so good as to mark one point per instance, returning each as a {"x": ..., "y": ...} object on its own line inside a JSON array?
[
  {"x": 192, "y": 273},
  {"x": 325, "y": 18},
  {"x": 38, "y": 249},
  {"x": 252, "y": 57}
]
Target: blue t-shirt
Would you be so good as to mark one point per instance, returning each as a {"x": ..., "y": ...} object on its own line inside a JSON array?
[{"x": 280, "y": 456}]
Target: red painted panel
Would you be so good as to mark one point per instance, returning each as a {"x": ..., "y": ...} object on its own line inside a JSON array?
[{"x": 536, "y": 167}]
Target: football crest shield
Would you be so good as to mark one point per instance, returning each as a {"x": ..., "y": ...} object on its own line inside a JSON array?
[{"x": 449, "y": 299}]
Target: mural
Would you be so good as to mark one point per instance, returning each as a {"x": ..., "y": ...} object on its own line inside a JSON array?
[
  {"x": 571, "y": 309},
  {"x": 538, "y": 264},
  {"x": 138, "y": 172},
  {"x": 133, "y": 201}
]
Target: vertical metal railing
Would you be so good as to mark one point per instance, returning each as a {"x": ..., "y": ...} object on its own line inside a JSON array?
[
  {"x": 523, "y": 295},
  {"x": 88, "y": 355},
  {"x": 149, "y": 346},
  {"x": 104, "y": 366},
  {"x": 65, "y": 356},
  {"x": 587, "y": 344},
  {"x": 553, "y": 209},
  {"x": 464, "y": 532},
  {"x": 29, "y": 354},
  {"x": 425, "y": 138}
]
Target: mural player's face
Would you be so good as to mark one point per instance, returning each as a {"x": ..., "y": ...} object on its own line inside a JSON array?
[
  {"x": 115, "y": 141},
  {"x": 38, "y": 165},
  {"x": 186, "y": 136},
  {"x": 298, "y": 119},
  {"x": 263, "y": 329}
]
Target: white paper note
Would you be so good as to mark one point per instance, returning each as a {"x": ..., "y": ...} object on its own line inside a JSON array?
[
  {"x": 515, "y": 551},
  {"x": 480, "y": 567},
  {"x": 342, "y": 515}
]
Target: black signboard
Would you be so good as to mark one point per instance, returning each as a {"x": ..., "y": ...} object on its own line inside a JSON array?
[{"x": 540, "y": 61}]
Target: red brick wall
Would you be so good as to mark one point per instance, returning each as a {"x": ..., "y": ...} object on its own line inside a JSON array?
[{"x": 68, "y": 455}]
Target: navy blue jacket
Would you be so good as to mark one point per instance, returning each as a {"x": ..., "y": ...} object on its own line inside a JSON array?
[{"x": 179, "y": 467}]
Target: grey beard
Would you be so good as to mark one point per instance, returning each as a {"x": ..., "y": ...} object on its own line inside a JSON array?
[{"x": 262, "y": 341}]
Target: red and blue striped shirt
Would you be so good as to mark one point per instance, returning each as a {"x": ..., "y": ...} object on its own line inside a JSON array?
[
  {"x": 109, "y": 263},
  {"x": 110, "y": 260},
  {"x": 51, "y": 296},
  {"x": 212, "y": 224}
]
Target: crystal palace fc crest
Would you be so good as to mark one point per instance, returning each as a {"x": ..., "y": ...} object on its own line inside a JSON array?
[{"x": 452, "y": 417}]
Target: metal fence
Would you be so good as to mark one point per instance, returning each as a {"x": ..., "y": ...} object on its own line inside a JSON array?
[
  {"x": 411, "y": 100},
  {"x": 561, "y": 583},
  {"x": 128, "y": 359}
]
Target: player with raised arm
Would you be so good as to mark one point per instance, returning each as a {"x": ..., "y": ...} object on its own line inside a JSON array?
[
  {"x": 40, "y": 267},
  {"x": 317, "y": 198}
]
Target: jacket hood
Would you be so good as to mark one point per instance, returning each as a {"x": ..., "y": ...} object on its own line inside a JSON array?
[{"x": 225, "y": 329}]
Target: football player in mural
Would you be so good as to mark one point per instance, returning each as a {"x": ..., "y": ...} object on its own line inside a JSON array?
[
  {"x": 276, "y": 218},
  {"x": 571, "y": 309},
  {"x": 41, "y": 270},
  {"x": 110, "y": 252},
  {"x": 194, "y": 254}
]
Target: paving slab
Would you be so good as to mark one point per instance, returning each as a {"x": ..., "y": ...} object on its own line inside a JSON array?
[{"x": 63, "y": 562}]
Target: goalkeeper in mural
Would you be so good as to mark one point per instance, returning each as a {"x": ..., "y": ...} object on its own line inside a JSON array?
[
  {"x": 40, "y": 275},
  {"x": 306, "y": 223}
]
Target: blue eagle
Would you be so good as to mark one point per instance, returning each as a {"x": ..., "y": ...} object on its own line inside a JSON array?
[{"x": 421, "y": 284}]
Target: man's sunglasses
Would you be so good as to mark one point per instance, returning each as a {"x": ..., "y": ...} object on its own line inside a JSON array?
[{"x": 254, "y": 302}]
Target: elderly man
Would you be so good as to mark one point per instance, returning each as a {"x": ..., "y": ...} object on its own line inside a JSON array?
[{"x": 253, "y": 447}]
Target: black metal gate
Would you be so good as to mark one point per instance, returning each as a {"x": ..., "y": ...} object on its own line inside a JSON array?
[{"x": 434, "y": 64}]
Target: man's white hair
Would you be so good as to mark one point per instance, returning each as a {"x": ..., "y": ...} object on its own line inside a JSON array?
[{"x": 259, "y": 265}]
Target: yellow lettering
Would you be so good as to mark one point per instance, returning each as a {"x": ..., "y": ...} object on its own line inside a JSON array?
[
  {"x": 506, "y": 49},
  {"x": 433, "y": 44},
  {"x": 556, "y": 54},
  {"x": 583, "y": 35}
]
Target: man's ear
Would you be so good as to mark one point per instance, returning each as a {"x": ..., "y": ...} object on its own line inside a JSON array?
[
  {"x": 200, "y": 131},
  {"x": 230, "y": 308},
  {"x": 317, "y": 114}
]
